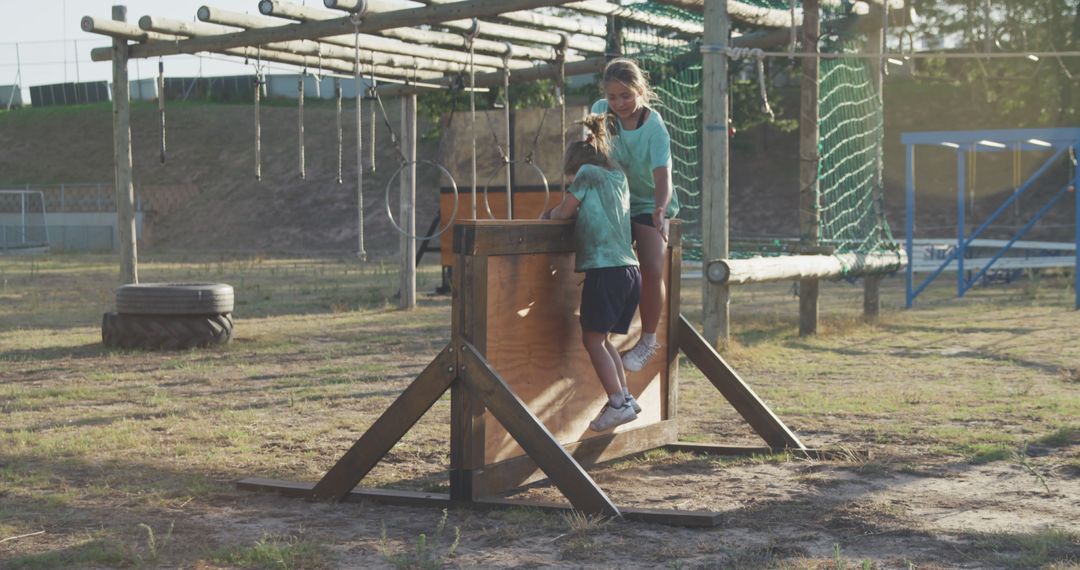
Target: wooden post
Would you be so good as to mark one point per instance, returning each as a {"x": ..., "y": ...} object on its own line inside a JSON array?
[
  {"x": 714, "y": 215},
  {"x": 408, "y": 201},
  {"x": 809, "y": 214},
  {"x": 875, "y": 38},
  {"x": 125, "y": 191}
]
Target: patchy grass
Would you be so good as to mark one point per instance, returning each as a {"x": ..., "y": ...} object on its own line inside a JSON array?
[
  {"x": 272, "y": 552},
  {"x": 97, "y": 445}
]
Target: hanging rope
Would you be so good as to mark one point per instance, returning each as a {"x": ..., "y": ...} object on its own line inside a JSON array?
[
  {"x": 474, "y": 31},
  {"x": 758, "y": 54},
  {"x": 258, "y": 122},
  {"x": 161, "y": 104},
  {"x": 371, "y": 107},
  {"x": 560, "y": 55},
  {"x": 509, "y": 143},
  {"x": 361, "y": 251},
  {"x": 300, "y": 124},
  {"x": 340, "y": 142}
]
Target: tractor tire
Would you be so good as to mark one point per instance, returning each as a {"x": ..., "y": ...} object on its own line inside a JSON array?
[
  {"x": 174, "y": 299},
  {"x": 165, "y": 332}
]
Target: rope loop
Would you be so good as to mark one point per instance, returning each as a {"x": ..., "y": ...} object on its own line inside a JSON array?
[{"x": 758, "y": 54}]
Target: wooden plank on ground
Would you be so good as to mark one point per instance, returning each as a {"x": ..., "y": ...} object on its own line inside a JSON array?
[
  {"x": 734, "y": 389},
  {"x": 671, "y": 517},
  {"x": 533, "y": 436},
  {"x": 394, "y": 423}
]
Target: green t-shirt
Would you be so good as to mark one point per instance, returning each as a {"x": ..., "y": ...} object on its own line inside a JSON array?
[
  {"x": 602, "y": 230},
  {"x": 639, "y": 152}
]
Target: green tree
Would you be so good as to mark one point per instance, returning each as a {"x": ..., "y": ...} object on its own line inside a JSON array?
[{"x": 1020, "y": 92}]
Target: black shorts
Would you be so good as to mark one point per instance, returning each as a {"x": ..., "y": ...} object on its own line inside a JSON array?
[
  {"x": 643, "y": 219},
  {"x": 609, "y": 299}
]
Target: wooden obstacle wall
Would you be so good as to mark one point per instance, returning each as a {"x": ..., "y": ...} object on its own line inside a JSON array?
[{"x": 521, "y": 311}]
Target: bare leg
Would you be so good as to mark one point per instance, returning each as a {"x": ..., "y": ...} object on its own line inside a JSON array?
[
  {"x": 605, "y": 366},
  {"x": 650, "y": 250},
  {"x": 618, "y": 364}
]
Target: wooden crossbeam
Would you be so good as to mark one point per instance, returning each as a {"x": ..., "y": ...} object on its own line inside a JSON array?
[
  {"x": 391, "y": 426},
  {"x": 341, "y": 26},
  {"x": 531, "y": 434},
  {"x": 735, "y": 390}
]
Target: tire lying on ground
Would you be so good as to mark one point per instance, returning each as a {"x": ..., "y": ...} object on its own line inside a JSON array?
[
  {"x": 174, "y": 299},
  {"x": 169, "y": 316}
]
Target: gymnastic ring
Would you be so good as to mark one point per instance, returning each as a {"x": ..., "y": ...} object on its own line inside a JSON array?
[
  {"x": 547, "y": 189},
  {"x": 390, "y": 214}
]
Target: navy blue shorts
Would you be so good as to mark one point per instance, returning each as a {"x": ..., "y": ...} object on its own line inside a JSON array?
[{"x": 609, "y": 298}]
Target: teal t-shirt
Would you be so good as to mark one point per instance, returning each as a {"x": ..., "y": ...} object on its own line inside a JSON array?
[
  {"x": 602, "y": 230},
  {"x": 639, "y": 152}
]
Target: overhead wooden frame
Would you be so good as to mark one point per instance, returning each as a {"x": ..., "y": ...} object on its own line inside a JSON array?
[{"x": 515, "y": 297}]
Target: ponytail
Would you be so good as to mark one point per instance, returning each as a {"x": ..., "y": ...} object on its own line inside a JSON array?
[{"x": 595, "y": 149}]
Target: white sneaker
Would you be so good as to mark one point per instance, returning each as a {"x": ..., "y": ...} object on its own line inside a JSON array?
[
  {"x": 611, "y": 417},
  {"x": 633, "y": 403},
  {"x": 635, "y": 358}
]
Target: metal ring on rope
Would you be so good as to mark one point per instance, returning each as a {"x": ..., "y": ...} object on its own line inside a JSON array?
[
  {"x": 507, "y": 165},
  {"x": 390, "y": 214}
]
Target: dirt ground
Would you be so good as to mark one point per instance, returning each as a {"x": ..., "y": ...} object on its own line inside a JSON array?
[{"x": 956, "y": 422}]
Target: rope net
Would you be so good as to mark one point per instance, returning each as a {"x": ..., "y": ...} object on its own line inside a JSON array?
[{"x": 850, "y": 193}]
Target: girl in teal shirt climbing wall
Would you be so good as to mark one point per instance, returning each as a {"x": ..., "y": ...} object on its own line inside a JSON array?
[{"x": 642, "y": 147}]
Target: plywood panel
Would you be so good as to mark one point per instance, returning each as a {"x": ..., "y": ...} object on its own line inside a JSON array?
[
  {"x": 534, "y": 342},
  {"x": 537, "y": 134}
]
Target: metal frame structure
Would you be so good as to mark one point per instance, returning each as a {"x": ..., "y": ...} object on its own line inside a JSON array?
[{"x": 1065, "y": 144}]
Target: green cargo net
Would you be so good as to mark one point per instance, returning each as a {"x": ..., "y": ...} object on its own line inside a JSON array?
[
  {"x": 851, "y": 126},
  {"x": 850, "y": 142}
]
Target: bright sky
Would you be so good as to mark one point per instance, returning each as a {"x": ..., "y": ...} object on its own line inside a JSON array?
[{"x": 47, "y": 35}]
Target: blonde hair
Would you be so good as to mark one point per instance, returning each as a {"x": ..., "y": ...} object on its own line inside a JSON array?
[
  {"x": 627, "y": 72},
  {"x": 595, "y": 149}
]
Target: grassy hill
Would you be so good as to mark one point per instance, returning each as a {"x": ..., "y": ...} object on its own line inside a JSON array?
[{"x": 212, "y": 146}]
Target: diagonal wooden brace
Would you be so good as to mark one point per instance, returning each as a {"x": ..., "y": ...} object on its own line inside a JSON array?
[
  {"x": 391, "y": 426},
  {"x": 734, "y": 389},
  {"x": 533, "y": 436}
]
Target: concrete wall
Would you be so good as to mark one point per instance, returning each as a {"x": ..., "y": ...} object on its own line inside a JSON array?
[{"x": 96, "y": 231}]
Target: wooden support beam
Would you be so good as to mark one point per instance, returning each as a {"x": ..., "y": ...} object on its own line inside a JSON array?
[
  {"x": 543, "y": 71},
  {"x": 809, "y": 159},
  {"x": 324, "y": 53},
  {"x": 485, "y": 29},
  {"x": 122, "y": 165},
  {"x": 601, "y": 8},
  {"x": 394, "y": 423},
  {"x": 715, "y": 142},
  {"x": 734, "y": 389},
  {"x": 407, "y": 204},
  {"x": 340, "y": 26},
  {"x": 803, "y": 267},
  {"x": 122, "y": 30},
  {"x": 875, "y": 38},
  {"x": 134, "y": 33},
  {"x": 533, "y": 436},
  {"x": 368, "y": 42}
]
